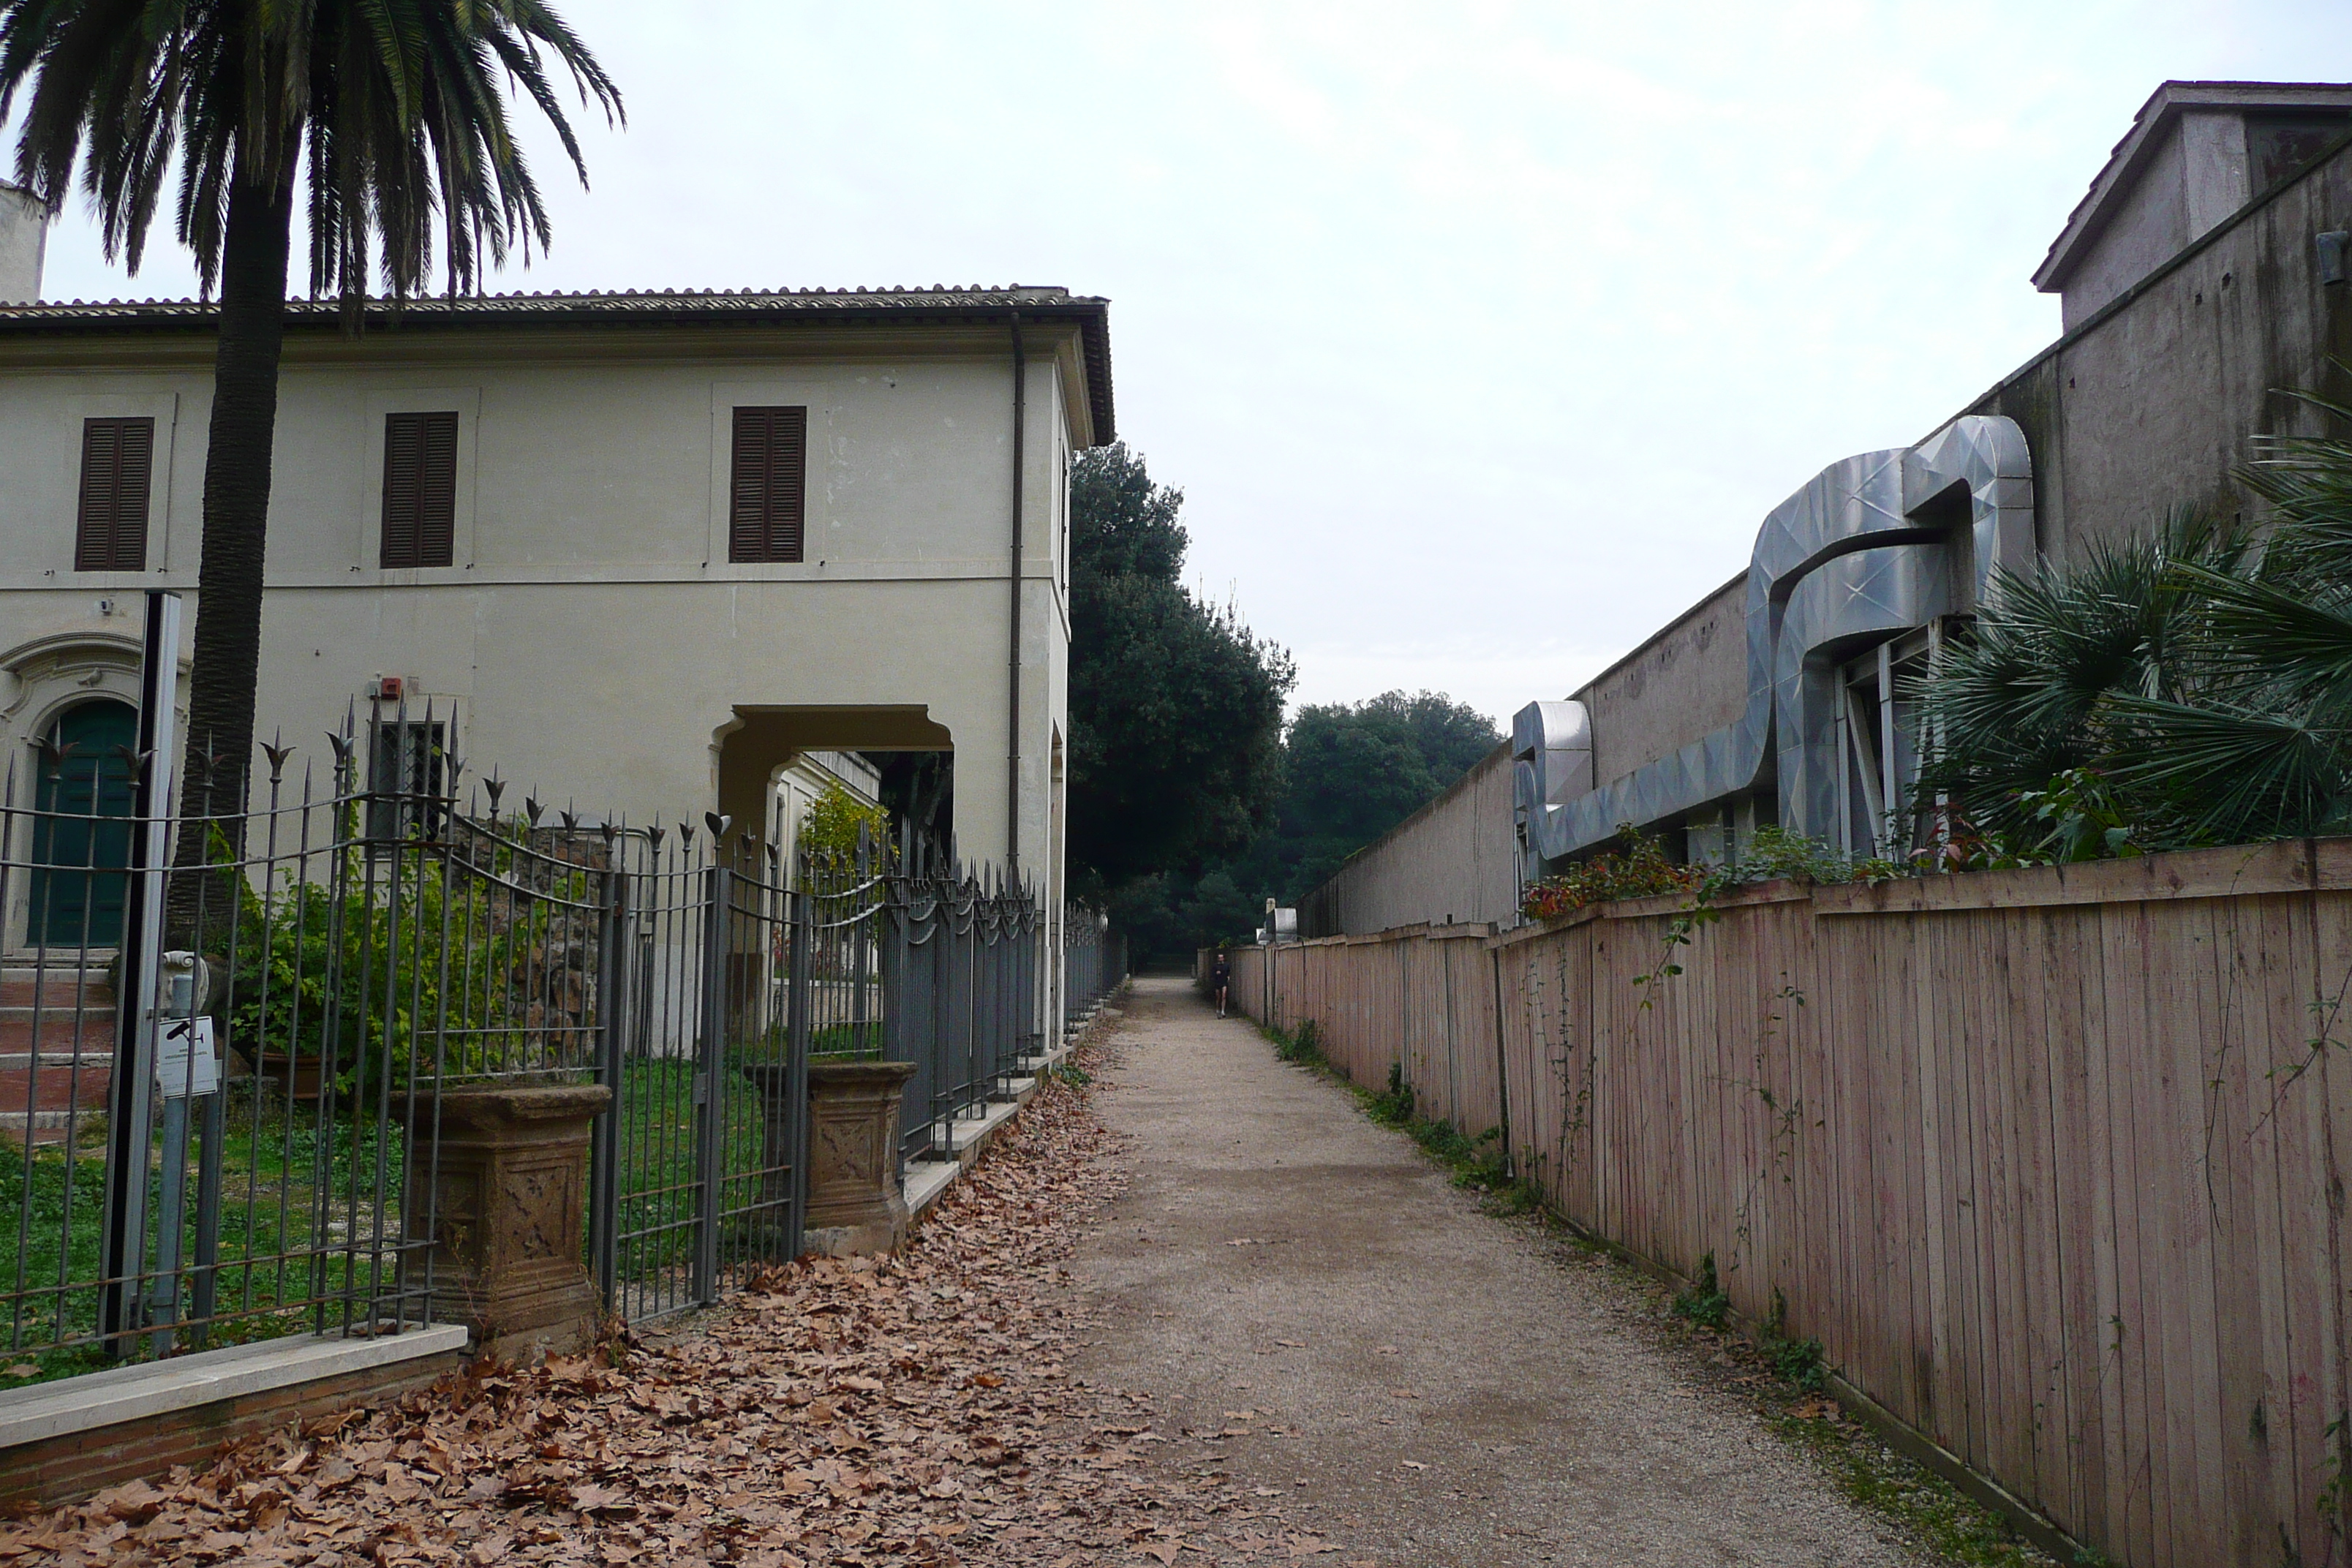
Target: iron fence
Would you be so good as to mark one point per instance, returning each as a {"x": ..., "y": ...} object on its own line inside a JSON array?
[
  {"x": 960, "y": 987},
  {"x": 234, "y": 1137},
  {"x": 231, "y": 1137},
  {"x": 1094, "y": 962}
]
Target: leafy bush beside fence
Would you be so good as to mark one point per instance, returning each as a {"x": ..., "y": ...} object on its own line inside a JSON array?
[{"x": 395, "y": 972}]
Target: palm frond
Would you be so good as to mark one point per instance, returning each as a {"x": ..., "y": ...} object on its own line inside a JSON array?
[
  {"x": 395, "y": 111},
  {"x": 2233, "y": 775}
]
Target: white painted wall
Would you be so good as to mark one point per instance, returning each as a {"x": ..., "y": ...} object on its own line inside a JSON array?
[
  {"x": 24, "y": 238},
  {"x": 591, "y": 637}
]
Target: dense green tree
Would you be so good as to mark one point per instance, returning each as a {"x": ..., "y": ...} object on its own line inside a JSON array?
[
  {"x": 1352, "y": 772},
  {"x": 385, "y": 123},
  {"x": 1175, "y": 705},
  {"x": 1355, "y": 770}
]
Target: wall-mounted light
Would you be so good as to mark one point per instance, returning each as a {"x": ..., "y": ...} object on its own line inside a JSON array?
[{"x": 2332, "y": 246}]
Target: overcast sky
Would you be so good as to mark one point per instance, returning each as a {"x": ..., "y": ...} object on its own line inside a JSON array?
[{"x": 1479, "y": 336}]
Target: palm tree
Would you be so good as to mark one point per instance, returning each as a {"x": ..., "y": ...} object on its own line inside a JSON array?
[
  {"x": 2260, "y": 745},
  {"x": 2199, "y": 683},
  {"x": 385, "y": 122}
]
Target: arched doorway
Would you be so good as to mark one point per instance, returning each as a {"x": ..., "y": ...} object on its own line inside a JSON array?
[{"x": 82, "y": 839}]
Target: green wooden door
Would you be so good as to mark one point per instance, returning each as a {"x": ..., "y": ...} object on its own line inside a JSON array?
[{"x": 84, "y": 838}]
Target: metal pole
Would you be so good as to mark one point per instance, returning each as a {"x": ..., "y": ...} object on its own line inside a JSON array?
[
  {"x": 178, "y": 1005},
  {"x": 131, "y": 1097},
  {"x": 1012, "y": 696},
  {"x": 801, "y": 909},
  {"x": 709, "y": 1107},
  {"x": 612, "y": 1026}
]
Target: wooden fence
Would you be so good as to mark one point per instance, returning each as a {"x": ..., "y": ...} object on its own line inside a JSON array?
[{"x": 2052, "y": 1162}]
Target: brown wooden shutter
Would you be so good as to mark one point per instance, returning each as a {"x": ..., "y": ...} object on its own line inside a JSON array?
[
  {"x": 420, "y": 489},
  {"x": 118, "y": 459},
  {"x": 766, "y": 501}
]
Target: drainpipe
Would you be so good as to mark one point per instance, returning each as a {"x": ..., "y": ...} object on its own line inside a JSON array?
[{"x": 1013, "y": 697}]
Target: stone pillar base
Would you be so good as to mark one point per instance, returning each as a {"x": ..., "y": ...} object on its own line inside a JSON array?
[
  {"x": 854, "y": 1205},
  {"x": 509, "y": 1193}
]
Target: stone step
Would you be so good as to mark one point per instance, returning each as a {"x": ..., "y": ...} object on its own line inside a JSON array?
[
  {"x": 45, "y": 1126},
  {"x": 56, "y": 1029},
  {"x": 25, "y": 1061},
  {"x": 60, "y": 1088},
  {"x": 54, "y": 986}
]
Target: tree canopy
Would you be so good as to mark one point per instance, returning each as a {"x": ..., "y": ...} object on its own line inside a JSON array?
[
  {"x": 1175, "y": 705},
  {"x": 1351, "y": 771}
]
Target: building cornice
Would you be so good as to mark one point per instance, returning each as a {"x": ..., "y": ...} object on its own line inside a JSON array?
[{"x": 688, "y": 327}]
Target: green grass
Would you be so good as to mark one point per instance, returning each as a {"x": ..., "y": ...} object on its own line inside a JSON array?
[{"x": 276, "y": 1248}]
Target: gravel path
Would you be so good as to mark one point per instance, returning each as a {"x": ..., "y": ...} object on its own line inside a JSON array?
[{"x": 1308, "y": 1297}]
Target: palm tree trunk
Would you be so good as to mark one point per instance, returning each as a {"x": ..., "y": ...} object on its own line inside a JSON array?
[{"x": 227, "y": 665}]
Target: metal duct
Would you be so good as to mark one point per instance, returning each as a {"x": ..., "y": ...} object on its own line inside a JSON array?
[{"x": 1856, "y": 550}]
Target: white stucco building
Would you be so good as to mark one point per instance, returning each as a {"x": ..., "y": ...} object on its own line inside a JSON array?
[{"x": 639, "y": 552}]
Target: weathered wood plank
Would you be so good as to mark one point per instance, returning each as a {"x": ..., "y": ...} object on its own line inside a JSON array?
[
  {"x": 2139, "y": 1262},
  {"x": 2050, "y": 1166}
]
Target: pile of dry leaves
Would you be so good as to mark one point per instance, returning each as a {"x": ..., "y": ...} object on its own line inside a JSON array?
[{"x": 914, "y": 1410}]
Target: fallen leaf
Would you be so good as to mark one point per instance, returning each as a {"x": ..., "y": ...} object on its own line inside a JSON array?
[{"x": 825, "y": 1412}]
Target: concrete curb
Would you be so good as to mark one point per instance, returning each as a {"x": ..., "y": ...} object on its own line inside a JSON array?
[
  {"x": 927, "y": 1181},
  {"x": 83, "y": 1403}
]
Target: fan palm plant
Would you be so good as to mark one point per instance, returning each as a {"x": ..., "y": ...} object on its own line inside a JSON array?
[
  {"x": 387, "y": 123},
  {"x": 2199, "y": 683},
  {"x": 2259, "y": 743},
  {"x": 2039, "y": 686}
]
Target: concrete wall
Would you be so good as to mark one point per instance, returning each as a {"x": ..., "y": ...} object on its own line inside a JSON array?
[
  {"x": 24, "y": 238},
  {"x": 1690, "y": 678},
  {"x": 2144, "y": 406},
  {"x": 1454, "y": 860},
  {"x": 591, "y": 638},
  {"x": 2149, "y": 404},
  {"x": 2151, "y": 220}
]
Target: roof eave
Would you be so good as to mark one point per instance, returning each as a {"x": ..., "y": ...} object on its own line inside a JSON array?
[
  {"x": 2164, "y": 106},
  {"x": 1090, "y": 314}
]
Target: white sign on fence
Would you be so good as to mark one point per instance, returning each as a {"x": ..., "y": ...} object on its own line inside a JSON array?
[{"x": 185, "y": 1062}]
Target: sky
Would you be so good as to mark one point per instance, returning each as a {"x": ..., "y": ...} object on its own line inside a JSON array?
[{"x": 1480, "y": 337}]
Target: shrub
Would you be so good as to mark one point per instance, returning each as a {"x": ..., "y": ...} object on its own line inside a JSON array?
[
  {"x": 1303, "y": 1045},
  {"x": 469, "y": 978},
  {"x": 830, "y": 828},
  {"x": 1705, "y": 1303},
  {"x": 1641, "y": 871},
  {"x": 1775, "y": 854},
  {"x": 1393, "y": 1105}
]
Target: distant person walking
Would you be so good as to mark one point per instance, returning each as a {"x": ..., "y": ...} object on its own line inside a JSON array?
[{"x": 1221, "y": 978}]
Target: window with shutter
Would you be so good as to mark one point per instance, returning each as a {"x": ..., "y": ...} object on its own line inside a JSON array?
[
  {"x": 117, "y": 458},
  {"x": 420, "y": 489},
  {"x": 765, "y": 506}
]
